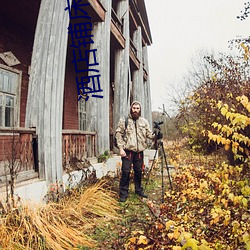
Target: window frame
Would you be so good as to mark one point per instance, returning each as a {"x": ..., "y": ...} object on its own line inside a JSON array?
[
  {"x": 17, "y": 96},
  {"x": 79, "y": 114}
]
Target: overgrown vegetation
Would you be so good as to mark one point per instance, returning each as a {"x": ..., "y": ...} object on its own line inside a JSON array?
[
  {"x": 62, "y": 225},
  {"x": 105, "y": 156},
  {"x": 11, "y": 168},
  {"x": 216, "y": 79},
  {"x": 208, "y": 208}
]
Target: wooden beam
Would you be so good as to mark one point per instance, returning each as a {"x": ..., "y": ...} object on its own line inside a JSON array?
[
  {"x": 17, "y": 130},
  {"x": 133, "y": 19},
  {"x": 97, "y": 10},
  {"x": 144, "y": 30},
  {"x": 134, "y": 59},
  {"x": 139, "y": 20},
  {"x": 117, "y": 34},
  {"x": 77, "y": 132}
]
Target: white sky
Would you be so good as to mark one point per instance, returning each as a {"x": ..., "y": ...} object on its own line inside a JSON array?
[{"x": 180, "y": 29}]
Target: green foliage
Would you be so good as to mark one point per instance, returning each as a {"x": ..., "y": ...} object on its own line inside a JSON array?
[{"x": 104, "y": 157}]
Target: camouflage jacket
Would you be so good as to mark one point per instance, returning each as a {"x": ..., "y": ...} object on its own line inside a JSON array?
[{"x": 136, "y": 134}]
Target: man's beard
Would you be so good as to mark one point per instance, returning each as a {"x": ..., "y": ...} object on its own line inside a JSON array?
[{"x": 135, "y": 115}]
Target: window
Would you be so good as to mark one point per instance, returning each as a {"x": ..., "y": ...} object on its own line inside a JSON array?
[
  {"x": 9, "y": 97},
  {"x": 82, "y": 114}
]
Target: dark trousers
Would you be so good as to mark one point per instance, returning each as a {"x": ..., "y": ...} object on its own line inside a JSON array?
[{"x": 135, "y": 158}]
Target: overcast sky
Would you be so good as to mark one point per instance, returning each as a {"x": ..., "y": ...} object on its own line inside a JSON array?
[{"x": 181, "y": 28}]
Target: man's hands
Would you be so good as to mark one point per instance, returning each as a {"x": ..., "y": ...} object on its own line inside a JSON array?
[{"x": 122, "y": 152}]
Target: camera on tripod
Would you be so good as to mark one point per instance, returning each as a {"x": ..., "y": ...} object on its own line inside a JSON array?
[
  {"x": 159, "y": 148},
  {"x": 157, "y": 131},
  {"x": 157, "y": 125}
]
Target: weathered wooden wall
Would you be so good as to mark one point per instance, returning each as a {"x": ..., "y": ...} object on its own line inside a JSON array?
[{"x": 45, "y": 96}]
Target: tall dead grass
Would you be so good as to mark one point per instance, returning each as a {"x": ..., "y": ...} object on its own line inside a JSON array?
[{"x": 62, "y": 225}]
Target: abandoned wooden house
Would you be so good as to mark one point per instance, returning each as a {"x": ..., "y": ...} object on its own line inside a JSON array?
[{"x": 42, "y": 124}]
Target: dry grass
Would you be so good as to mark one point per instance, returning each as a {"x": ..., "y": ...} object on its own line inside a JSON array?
[{"x": 60, "y": 225}]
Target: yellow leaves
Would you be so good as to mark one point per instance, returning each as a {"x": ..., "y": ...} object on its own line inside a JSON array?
[
  {"x": 231, "y": 196},
  {"x": 191, "y": 243},
  {"x": 245, "y": 191},
  {"x": 138, "y": 239},
  {"x": 227, "y": 219},
  {"x": 133, "y": 240},
  {"x": 246, "y": 53},
  {"x": 176, "y": 248},
  {"x": 218, "y": 214},
  {"x": 204, "y": 246},
  {"x": 246, "y": 239},
  {"x": 244, "y": 203},
  {"x": 214, "y": 76},
  {"x": 142, "y": 240},
  {"x": 224, "y": 111},
  {"x": 169, "y": 224},
  {"x": 184, "y": 237},
  {"x": 229, "y": 135},
  {"x": 175, "y": 235},
  {"x": 227, "y": 146},
  {"x": 224, "y": 202},
  {"x": 236, "y": 226}
]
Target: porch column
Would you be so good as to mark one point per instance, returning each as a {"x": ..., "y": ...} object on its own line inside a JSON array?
[
  {"x": 98, "y": 108},
  {"x": 45, "y": 95},
  {"x": 122, "y": 72},
  {"x": 138, "y": 84},
  {"x": 148, "y": 107}
]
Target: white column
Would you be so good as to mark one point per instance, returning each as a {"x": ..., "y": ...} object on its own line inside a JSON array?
[
  {"x": 98, "y": 108},
  {"x": 138, "y": 74},
  {"x": 148, "y": 107},
  {"x": 45, "y": 95},
  {"x": 122, "y": 71}
]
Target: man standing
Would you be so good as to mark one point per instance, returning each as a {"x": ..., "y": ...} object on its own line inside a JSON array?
[{"x": 132, "y": 141}]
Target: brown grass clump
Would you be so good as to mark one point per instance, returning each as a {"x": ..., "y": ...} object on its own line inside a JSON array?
[{"x": 60, "y": 225}]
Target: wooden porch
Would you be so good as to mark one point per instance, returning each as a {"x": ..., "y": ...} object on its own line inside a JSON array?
[{"x": 19, "y": 150}]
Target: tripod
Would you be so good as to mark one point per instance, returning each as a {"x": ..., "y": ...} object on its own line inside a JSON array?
[{"x": 159, "y": 148}]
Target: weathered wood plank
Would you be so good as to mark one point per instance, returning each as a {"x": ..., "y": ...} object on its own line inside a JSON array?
[{"x": 117, "y": 34}]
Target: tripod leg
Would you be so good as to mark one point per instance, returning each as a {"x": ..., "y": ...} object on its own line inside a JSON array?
[
  {"x": 150, "y": 170},
  {"x": 162, "y": 178},
  {"x": 165, "y": 158}
]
